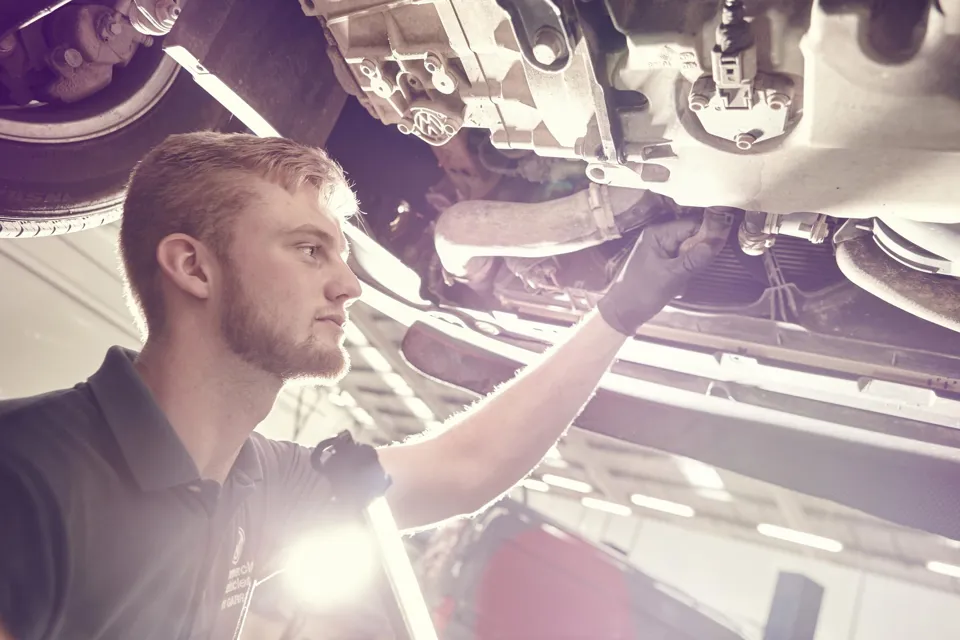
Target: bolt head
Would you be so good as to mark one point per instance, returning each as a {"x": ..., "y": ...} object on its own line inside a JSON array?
[
  {"x": 778, "y": 101},
  {"x": 548, "y": 45},
  {"x": 72, "y": 58},
  {"x": 744, "y": 141},
  {"x": 431, "y": 63},
  {"x": 698, "y": 101},
  {"x": 368, "y": 68}
]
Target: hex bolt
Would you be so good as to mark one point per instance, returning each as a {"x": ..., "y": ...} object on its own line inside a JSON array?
[
  {"x": 432, "y": 63},
  {"x": 548, "y": 45},
  {"x": 745, "y": 141},
  {"x": 71, "y": 57},
  {"x": 698, "y": 101},
  {"x": 779, "y": 101},
  {"x": 368, "y": 67}
]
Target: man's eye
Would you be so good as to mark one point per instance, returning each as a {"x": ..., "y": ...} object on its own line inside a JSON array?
[{"x": 309, "y": 250}]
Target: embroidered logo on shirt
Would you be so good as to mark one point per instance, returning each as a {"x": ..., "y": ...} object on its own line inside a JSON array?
[{"x": 238, "y": 550}]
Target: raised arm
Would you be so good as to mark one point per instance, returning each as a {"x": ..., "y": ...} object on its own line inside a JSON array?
[{"x": 484, "y": 452}]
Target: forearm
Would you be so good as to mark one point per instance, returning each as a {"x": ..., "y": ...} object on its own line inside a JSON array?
[{"x": 505, "y": 435}]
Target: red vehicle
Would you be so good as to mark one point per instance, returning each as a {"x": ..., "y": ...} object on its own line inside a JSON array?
[{"x": 514, "y": 574}]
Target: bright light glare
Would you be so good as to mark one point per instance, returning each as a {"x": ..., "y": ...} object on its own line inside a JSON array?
[
  {"x": 400, "y": 572},
  {"x": 396, "y": 382},
  {"x": 375, "y": 359},
  {"x": 331, "y": 568},
  {"x": 354, "y": 335},
  {"x": 699, "y": 474},
  {"x": 666, "y": 506},
  {"x": 951, "y": 570},
  {"x": 566, "y": 483},
  {"x": 603, "y": 505},
  {"x": 534, "y": 485},
  {"x": 720, "y": 495},
  {"x": 419, "y": 408},
  {"x": 799, "y": 537},
  {"x": 361, "y": 415}
]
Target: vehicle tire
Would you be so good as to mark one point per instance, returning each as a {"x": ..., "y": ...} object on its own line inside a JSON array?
[{"x": 49, "y": 188}]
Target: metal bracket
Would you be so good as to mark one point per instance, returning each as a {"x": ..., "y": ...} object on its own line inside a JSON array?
[{"x": 543, "y": 39}]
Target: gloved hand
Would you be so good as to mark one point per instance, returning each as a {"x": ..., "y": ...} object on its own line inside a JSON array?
[{"x": 664, "y": 259}]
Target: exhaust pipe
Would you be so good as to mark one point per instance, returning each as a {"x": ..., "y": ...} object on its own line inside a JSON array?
[
  {"x": 470, "y": 234},
  {"x": 931, "y": 297}
]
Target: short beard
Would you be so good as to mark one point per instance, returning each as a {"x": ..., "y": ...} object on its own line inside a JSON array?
[{"x": 252, "y": 336}]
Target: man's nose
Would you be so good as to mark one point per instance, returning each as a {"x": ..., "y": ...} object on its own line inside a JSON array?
[{"x": 344, "y": 286}]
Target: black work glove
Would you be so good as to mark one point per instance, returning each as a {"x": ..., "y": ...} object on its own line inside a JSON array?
[{"x": 664, "y": 259}]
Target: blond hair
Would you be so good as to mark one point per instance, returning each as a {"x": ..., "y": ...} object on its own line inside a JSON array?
[{"x": 189, "y": 184}]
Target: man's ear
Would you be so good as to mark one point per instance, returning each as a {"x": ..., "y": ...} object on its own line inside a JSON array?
[{"x": 187, "y": 263}]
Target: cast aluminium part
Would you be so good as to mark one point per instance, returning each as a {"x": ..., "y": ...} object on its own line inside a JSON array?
[
  {"x": 471, "y": 232},
  {"x": 154, "y": 17},
  {"x": 927, "y": 296},
  {"x": 860, "y": 132}
]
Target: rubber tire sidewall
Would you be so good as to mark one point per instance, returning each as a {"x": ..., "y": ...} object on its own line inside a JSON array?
[{"x": 48, "y": 189}]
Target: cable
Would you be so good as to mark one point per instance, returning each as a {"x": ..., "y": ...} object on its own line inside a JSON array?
[
  {"x": 734, "y": 33},
  {"x": 34, "y": 17}
]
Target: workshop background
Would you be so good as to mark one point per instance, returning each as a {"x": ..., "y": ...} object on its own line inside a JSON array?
[{"x": 691, "y": 527}]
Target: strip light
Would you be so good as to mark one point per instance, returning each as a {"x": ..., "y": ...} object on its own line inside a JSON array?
[
  {"x": 608, "y": 507},
  {"x": 419, "y": 408},
  {"x": 534, "y": 485},
  {"x": 666, "y": 506},
  {"x": 699, "y": 474},
  {"x": 353, "y": 334},
  {"x": 566, "y": 483},
  {"x": 943, "y": 568},
  {"x": 396, "y": 382},
  {"x": 375, "y": 359},
  {"x": 799, "y": 537}
]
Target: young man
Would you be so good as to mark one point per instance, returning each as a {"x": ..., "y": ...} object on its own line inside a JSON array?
[{"x": 141, "y": 504}]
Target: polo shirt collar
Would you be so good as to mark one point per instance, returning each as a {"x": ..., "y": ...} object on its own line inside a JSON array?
[{"x": 152, "y": 449}]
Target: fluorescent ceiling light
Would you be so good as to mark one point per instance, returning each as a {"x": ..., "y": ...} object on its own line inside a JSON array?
[
  {"x": 720, "y": 495},
  {"x": 603, "y": 505},
  {"x": 665, "y": 506},
  {"x": 699, "y": 474},
  {"x": 343, "y": 398},
  {"x": 354, "y": 335},
  {"x": 554, "y": 459},
  {"x": 419, "y": 408},
  {"x": 361, "y": 416},
  {"x": 534, "y": 485},
  {"x": 950, "y": 542},
  {"x": 566, "y": 483},
  {"x": 396, "y": 382},
  {"x": 375, "y": 359},
  {"x": 799, "y": 537},
  {"x": 951, "y": 570}
]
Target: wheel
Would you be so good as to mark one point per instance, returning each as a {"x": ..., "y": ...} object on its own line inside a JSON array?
[{"x": 63, "y": 168}]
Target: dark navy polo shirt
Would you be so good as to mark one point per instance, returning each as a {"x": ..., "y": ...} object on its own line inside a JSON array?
[{"x": 108, "y": 531}]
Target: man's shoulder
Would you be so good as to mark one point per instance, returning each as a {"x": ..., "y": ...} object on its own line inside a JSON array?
[
  {"x": 51, "y": 433},
  {"x": 45, "y": 415}
]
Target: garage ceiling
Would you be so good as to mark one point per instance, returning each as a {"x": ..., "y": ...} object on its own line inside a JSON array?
[{"x": 393, "y": 402}]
